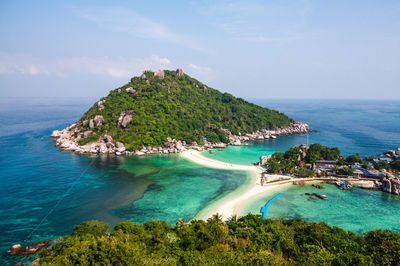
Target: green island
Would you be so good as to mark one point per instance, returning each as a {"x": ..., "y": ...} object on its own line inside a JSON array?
[
  {"x": 159, "y": 106},
  {"x": 179, "y": 107},
  {"x": 317, "y": 159},
  {"x": 248, "y": 240}
]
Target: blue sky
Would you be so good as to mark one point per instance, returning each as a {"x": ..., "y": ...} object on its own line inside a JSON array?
[{"x": 252, "y": 49}]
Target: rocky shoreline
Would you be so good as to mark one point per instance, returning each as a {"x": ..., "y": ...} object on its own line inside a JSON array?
[{"x": 67, "y": 140}]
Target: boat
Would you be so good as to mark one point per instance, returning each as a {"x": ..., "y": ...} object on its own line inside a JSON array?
[
  {"x": 343, "y": 185},
  {"x": 211, "y": 151},
  {"x": 324, "y": 197},
  {"x": 220, "y": 149}
]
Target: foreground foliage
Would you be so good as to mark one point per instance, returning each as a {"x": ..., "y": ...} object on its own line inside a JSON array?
[
  {"x": 178, "y": 107},
  {"x": 248, "y": 240}
]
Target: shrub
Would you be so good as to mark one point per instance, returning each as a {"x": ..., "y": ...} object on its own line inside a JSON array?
[{"x": 95, "y": 228}]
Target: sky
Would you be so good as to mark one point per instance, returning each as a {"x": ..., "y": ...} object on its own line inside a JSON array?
[{"x": 251, "y": 49}]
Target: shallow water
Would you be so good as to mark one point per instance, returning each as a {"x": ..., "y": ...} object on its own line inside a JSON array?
[
  {"x": 356, "y": 210},
  {"x": 364, "y": 127},
  {"x": 44, "y": 192}
]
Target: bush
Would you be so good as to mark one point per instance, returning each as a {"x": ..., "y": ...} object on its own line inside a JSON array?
[
  {"x": 94, "y": 228},
  {"x": 129, "y": 227},
  {"x": 305, "y": 173},
  {"x": 352, "y": 159},
  {"x": 380, "y": 165},
  {"x": 345, "y": 171},
  {"x": 395, "y": 164}
]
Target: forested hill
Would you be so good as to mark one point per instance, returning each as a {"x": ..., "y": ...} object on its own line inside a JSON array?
[{"x": 164, "y": 104}]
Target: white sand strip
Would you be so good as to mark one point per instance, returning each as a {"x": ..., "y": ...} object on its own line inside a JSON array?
[{"x": 233, "y": 203}]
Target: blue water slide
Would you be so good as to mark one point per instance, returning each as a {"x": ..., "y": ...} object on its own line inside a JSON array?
[{"x": 264, "y": 209}]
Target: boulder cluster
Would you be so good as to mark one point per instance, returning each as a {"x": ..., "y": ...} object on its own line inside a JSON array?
[
  {"x": 160, "y": 73},
  {"x": 97, "y": 121},
  {"x": 131, "y": 92},
  {"x": 100, "y": 105},
  {"x": 390, "y": 184},
  {"x": 32, "y": 248},
  {"x": 295, "y": 128},
  {"x": 392, "y": 153},
  {"x": 124, "y": 119},
  {"x": 67, "y": 139}
]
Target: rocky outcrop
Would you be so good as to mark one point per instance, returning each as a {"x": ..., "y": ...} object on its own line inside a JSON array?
[
  {"x": 124, "y": 119},
  {"x": 393, "y": 154},
  {"x": 296, "y": 128},
  {"x": 264, "y": 159},
  {"x": 32, "y": 248},
  {"x": 131, "y": 92},
  {"x": 179, "y": 72},
  {"x": 167, "y": 87},
  {"x": 119, "y": 147},
  {"x": 160, "y": 73},
  {"x": 302, "y": 153},
  {"x": 97, "y": 121},
  {"x": 67, "y": 140},
  {"x": 100, "y": 105},
  {"x": 86, "y": 133},
  {"x": 205, "y": 89},
  {"x": 391, "y": 184}
]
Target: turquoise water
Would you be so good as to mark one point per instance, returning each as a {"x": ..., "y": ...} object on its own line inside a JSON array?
[
  {"x": 356, "y": 210},
  {"x": 44, "y": 192},
  {"x": 364, "y": 127},
  {"x": 180, "y": 189}
]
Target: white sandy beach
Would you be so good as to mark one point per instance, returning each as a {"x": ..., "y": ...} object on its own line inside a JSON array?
[{"x": 233, "y": 203}]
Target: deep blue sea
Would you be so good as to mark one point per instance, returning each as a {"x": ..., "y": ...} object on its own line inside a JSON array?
[{"x": 44, "y": 192}]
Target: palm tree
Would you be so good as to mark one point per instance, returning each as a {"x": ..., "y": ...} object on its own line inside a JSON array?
[
  {"x": 215, "y": 218},
  {"x": 180, "y": 223},
  {"x": 233, "y": 218}
]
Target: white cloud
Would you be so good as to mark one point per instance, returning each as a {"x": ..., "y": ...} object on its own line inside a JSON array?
[
  {"x": 129, "y": 21},
  {"x": 21, "y": 64},
  {"x": 105, "y": 66},
  {"x": 202, "y": 73}
]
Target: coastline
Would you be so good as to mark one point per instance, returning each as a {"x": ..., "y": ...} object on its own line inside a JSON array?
[
  {"x": 234, "y": 202},
  {"x": 67, "y": 140}
]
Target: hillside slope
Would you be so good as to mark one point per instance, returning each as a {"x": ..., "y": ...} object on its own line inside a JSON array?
[{"x": 170, "y": 104}]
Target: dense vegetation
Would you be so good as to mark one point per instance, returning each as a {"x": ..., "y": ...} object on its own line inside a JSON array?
[
  {"x": 395, "y": 164},
  {"x": 289, "y": 161},
  {"x": 298, "y": 161},
  {"x": 177, "y": 107},
  {"x": 248, "y": 240}
]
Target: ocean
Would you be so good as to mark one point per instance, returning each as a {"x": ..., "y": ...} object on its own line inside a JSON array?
[{"x": 44, "y": 192}]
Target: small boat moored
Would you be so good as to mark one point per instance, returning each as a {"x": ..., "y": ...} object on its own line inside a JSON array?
[{"x": 343, "y": 185}]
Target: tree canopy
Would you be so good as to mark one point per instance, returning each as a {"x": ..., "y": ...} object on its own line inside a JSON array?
[
  {"x": 179, "y": 107},
  {"x": 246, "y": 240}
]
